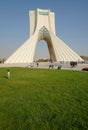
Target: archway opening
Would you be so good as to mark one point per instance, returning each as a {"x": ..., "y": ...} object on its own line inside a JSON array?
[{"x": 41, "y": 51}]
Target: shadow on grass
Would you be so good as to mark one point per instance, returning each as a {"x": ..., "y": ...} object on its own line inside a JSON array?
[{"x": 6, "y": 77}]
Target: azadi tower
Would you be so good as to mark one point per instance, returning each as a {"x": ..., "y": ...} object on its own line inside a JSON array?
[{"x": 42, "y": 27}]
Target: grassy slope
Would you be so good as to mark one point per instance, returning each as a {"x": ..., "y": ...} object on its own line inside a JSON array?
[{"x": 40, "y": 99}]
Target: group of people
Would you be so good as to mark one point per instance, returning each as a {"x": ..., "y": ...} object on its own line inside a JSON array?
[{"x": 73, "y": 63}]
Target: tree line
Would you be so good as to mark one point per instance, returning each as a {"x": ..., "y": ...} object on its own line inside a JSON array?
[{"x": 2, "y": 60}]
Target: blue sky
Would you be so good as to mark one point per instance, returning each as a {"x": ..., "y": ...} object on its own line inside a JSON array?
[{"x": 71, "y": 21}]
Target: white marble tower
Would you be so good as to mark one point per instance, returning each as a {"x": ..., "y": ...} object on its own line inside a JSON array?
[{"x": 42, "y": 27}]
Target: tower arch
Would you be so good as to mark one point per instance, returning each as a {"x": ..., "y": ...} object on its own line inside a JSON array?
[
  {"x": 41, "y": 51},
  {"x": 45, "y": 35}
]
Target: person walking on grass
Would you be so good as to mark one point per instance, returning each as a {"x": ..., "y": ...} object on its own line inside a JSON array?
[{"x": 8, "y": 73}]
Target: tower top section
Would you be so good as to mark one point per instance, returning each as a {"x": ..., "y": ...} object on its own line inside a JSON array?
[
  {"x": 40, "y": 18},
  {"x": 42, "y": 11}
]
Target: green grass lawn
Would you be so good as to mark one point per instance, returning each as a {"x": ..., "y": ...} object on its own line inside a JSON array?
[{"x": 43, "y": 99}]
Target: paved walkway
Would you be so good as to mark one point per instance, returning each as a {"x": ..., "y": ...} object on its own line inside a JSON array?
[{"x": 46, "y": 66}]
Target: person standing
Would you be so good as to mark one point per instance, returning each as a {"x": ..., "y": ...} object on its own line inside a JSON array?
[{"x": 37, "y": 64}]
